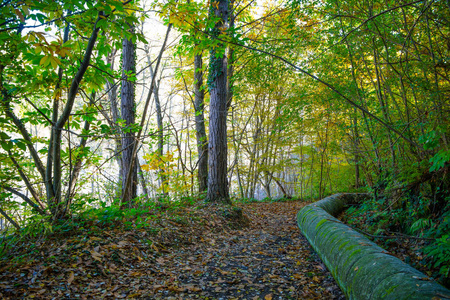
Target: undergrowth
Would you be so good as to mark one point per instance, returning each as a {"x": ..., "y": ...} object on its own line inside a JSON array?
[
  {"x": 94, "y": 219},
  {"x": 417, "y": 228}
]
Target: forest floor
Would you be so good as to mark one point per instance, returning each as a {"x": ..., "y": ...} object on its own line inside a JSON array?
[{"x": 193, "y": 252}]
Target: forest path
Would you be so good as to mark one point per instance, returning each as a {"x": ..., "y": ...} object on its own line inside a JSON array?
[
  {"x": 270, "y": 259},
  {"x": 186, "y": 253}
]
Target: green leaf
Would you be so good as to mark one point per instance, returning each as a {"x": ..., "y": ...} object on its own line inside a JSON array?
[
  {"x": 4, "y": 136},
  {"x": 7, "y": 145},
  {"x": 438, "y": 161},
  {"x": 21, "y": 146}
]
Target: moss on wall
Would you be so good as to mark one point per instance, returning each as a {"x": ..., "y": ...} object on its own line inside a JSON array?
[{"x": 362, "y": 269}]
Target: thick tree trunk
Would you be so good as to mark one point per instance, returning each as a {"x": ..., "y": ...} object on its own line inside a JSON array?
[
  {"x": 202, "y": 142},
  {"x": 217, "y": 176},
  {"x": 128, "y": 114}
]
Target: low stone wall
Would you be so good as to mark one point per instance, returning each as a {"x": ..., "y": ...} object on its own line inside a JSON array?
[{"x": 362, "y": 269}]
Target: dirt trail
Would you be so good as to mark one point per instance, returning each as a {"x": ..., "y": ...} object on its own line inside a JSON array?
[
  {"x": 268, "y": 260},
  {"x": 193, "y": 255}
]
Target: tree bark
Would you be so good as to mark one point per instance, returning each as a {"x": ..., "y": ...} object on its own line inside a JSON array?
[
  {"x": 111, "y": 88},
  {"x": 127, "y": 95},
  {"x": 128, "y": 178},
  {"x": 145, "y": 190},
  {"x": 217, "y": 175},
  {"x": 202, "y": 141},
  {"x": 230, "y": 59}
]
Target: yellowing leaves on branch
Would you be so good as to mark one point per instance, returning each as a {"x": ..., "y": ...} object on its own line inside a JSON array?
[{"x": 156, "y": 162}]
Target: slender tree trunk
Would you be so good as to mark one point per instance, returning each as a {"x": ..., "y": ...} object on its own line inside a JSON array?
[
  {"x": 54, "y": 185},
  {"x": 322, "y": 162},
  {"x": 310, "y": 179},
  {"x": 202, "y": 142},
  {"x": 128, "y": 114},
  {"x": 77, "y": 164},
  {"x": 356, "y": 137},
  {"x": 112, "y": 97},
  {"x": 143, "y": 182},
  {"x": 159, "y": 122},
  {"x": 128, "y": 179},
  {"x": 356, "y": 148},
  {"x": 381, "y": 100},
  {"x": 302, "y": 177},
  {"x": 217, "y": 176},
  {"x": 436, "y": 99},
  {"x": 230, "y": 60}
]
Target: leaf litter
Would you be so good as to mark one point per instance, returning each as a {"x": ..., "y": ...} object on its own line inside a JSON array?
[{"x": 197, "y": 252}]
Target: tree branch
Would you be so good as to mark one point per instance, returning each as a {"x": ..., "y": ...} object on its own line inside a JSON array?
[
  {"x": 25, "y": 198},
  {"x": 27, "y": 182},
  {"x": 351, "y": 102},
  {"x": 9, "y": 219}
]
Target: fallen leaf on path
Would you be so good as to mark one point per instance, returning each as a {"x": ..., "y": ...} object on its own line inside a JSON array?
[{"x": 71, "y": 278}]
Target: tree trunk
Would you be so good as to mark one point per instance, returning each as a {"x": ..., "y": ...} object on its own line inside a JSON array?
[
  {"x": 53, "y": 184},
  {"x": 127, "y": 110},
  {"x": 128, "y": 179},
  {"x": 230, "y": 60},
  {"x": 217, "y": 176},
  {"x": 112, "y": 97},
  {"x": 159, "y": 122},
  {"x": 202, "y": 142},
  {"x": 143, "y": 182}
]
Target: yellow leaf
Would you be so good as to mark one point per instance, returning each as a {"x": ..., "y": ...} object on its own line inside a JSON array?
[
  {"x": 54, "y": 62},
  {"x": 57, "y": 94},
  {"x": 154, "y": 247},
  {"x": 25, "y": 10},
  {"x": 134, "y": 295},
  {"x": 268, "y": 297},
  {"x": 97, "y": 256},
  {"x": 43, "y": 60},
  {"x": 71, "y": 278}
]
